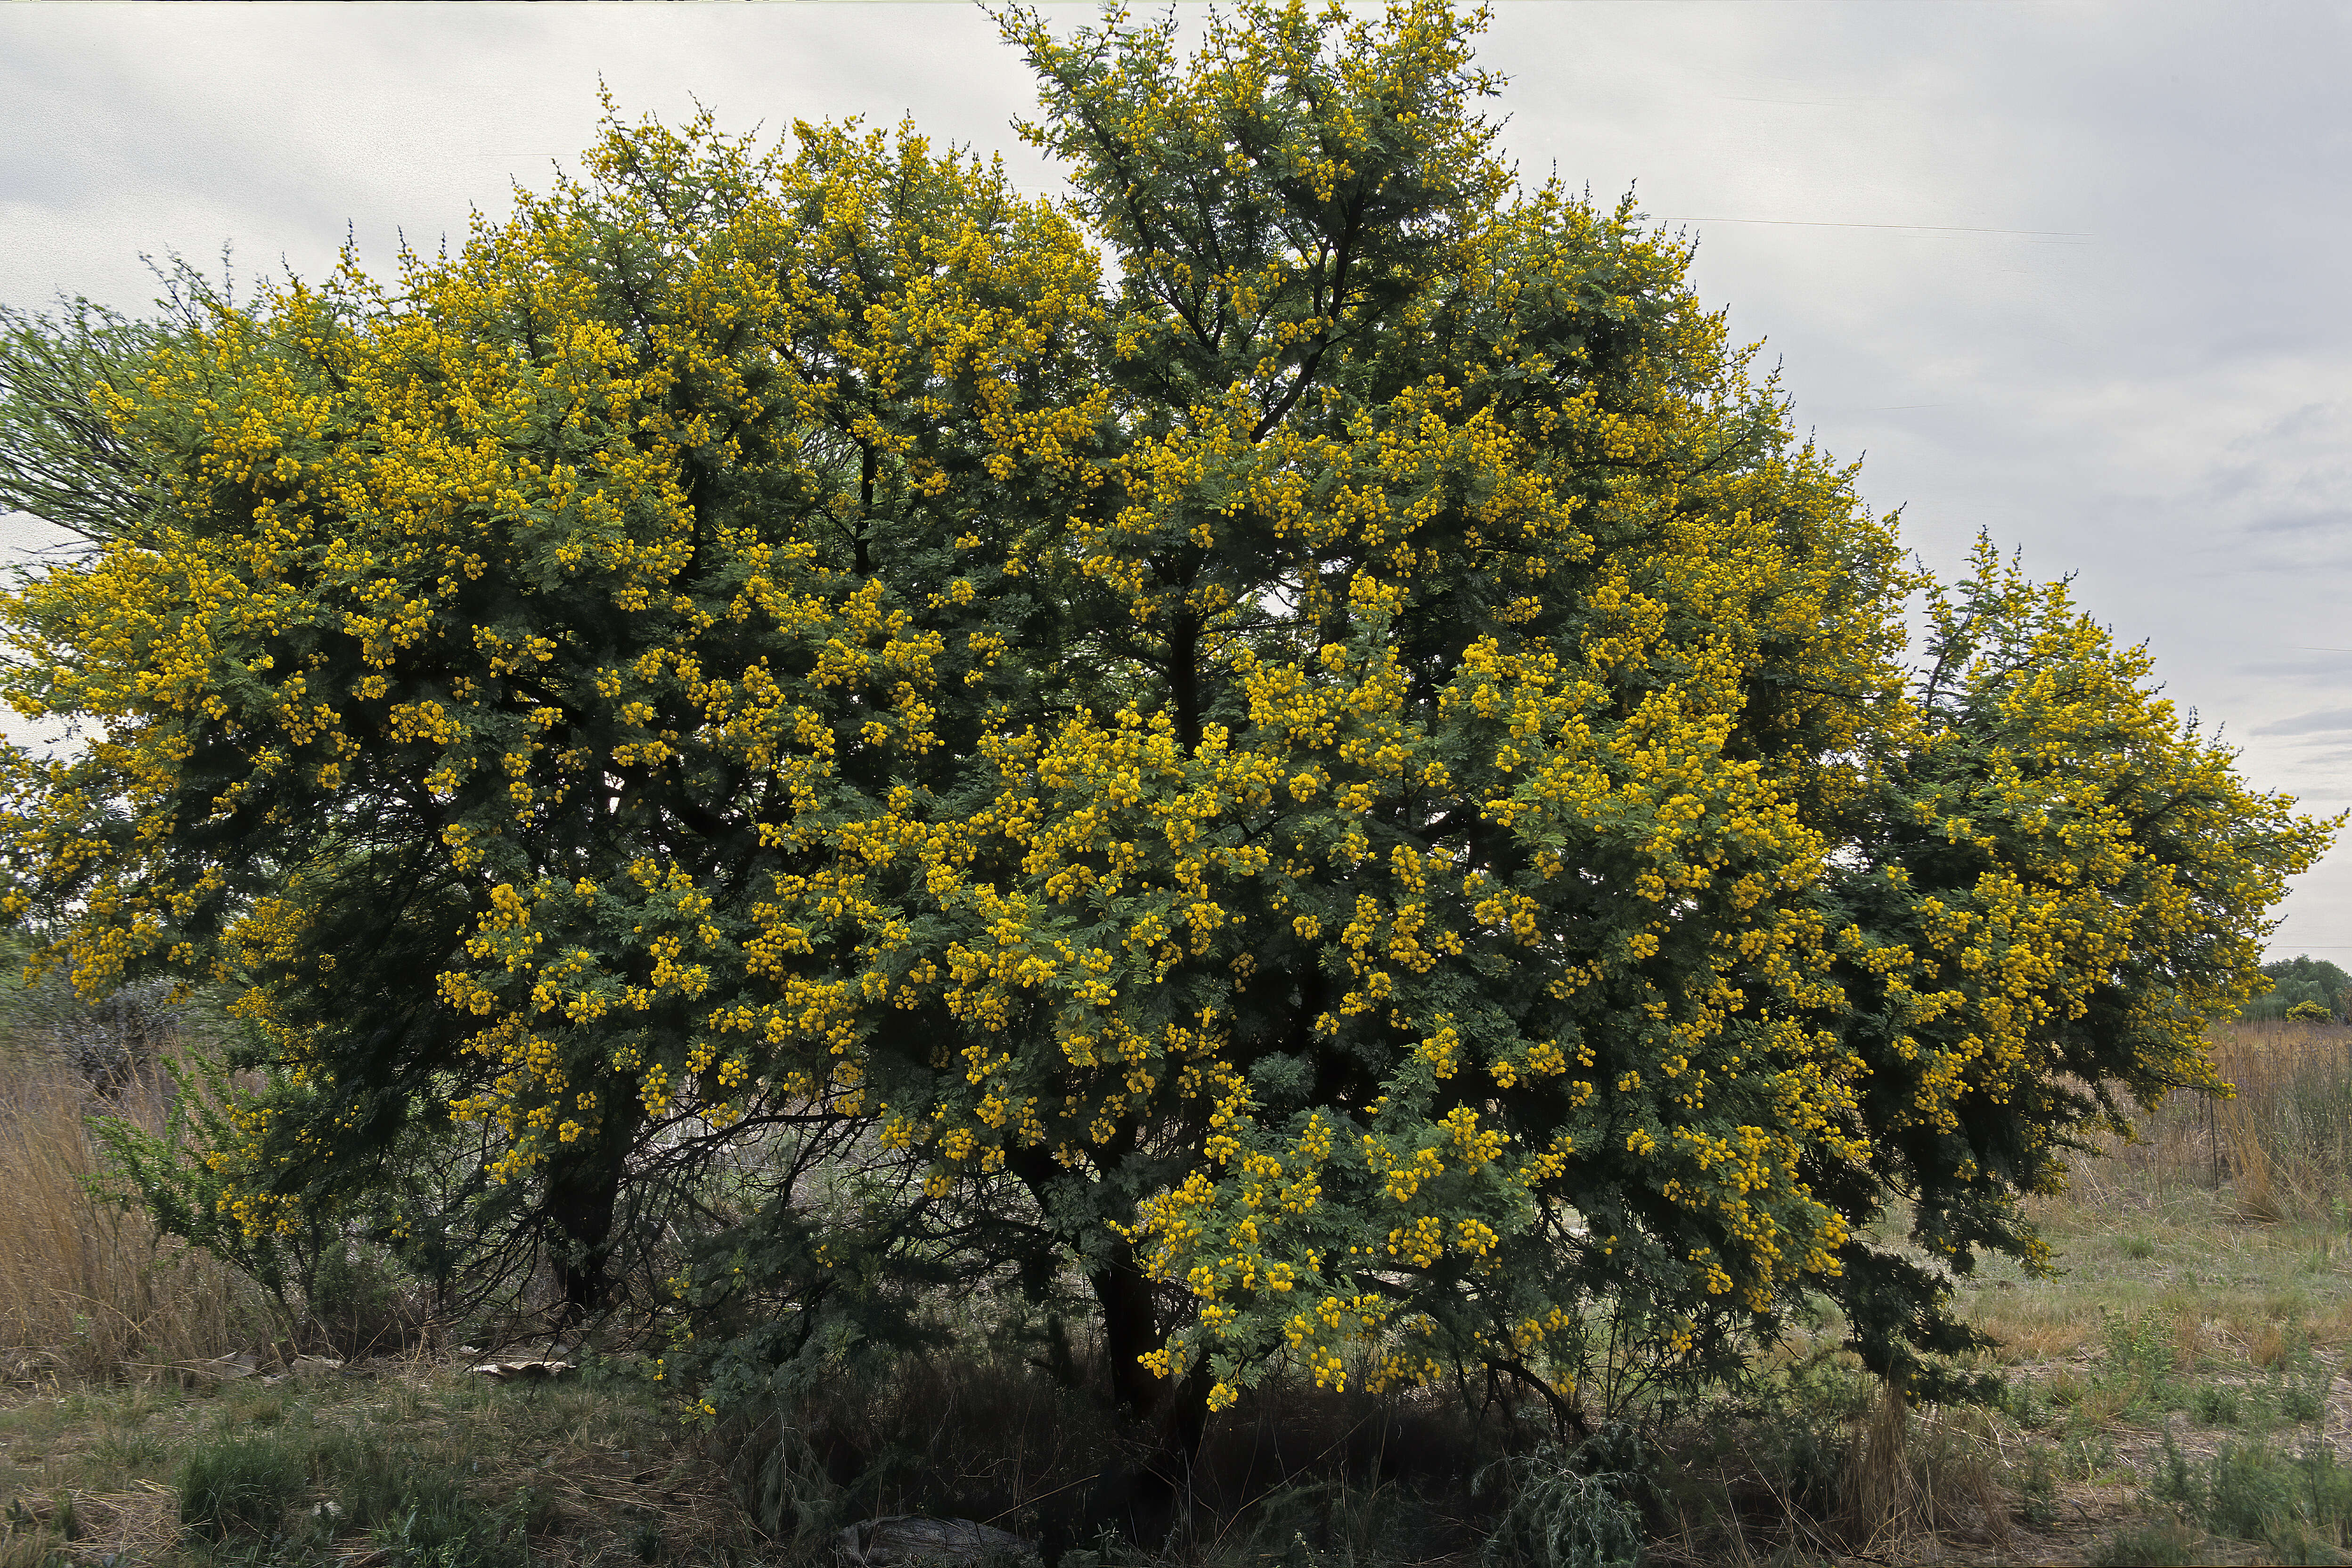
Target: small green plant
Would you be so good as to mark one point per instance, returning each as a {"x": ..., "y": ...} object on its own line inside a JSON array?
[
  {"x": 244, "y": 1485},
  {"x": 26, "y": 1532},
  {"x": 2167, "y": 1543},
  {"x": 2036, "y": 1480},
  {"x": 2086, "y": 1453},
  {"x": 2217, "y": 1404},
  {"x": 131, "y": 1449},
  {"x": 1564, "y": 1514},
  {"x": 2297, "y": 1503},
  {"x": 440, "y": 1525},
  {"x": 2300, "y": 1382},
  {"x": 2138, "y": 1374},
  {"x": 2027, "y": 1404},
  {"x": 2138, "y": 1249}
]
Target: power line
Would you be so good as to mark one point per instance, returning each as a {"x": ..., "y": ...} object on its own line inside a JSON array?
[{"x": 1928, "y": 228}]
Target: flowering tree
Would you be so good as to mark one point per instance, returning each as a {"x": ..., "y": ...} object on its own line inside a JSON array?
[{"x": 1350, "y": 784}]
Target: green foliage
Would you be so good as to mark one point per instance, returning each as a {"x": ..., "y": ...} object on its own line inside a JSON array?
[
  {"x": 186, "y": 1196},
  {"x": 355, "y": 1299},
  {"x": 2036, "y": 1480},
  {"x": 2297, "y": 1502},
  {"x": 2162, "y": 1543},
  {"x": 433, "y": 1521},
  {"x": 2217, "y": 1404},
  {"x": 2137, "y": 1371},
  {"x": 1564, "y": 1513},
  {"x": 2303, "y": 987},
  {"x": 419, "y": 1508},
  {"x": 2291, "y": 1390},
  {"x": 240, "y": 1486},
  {"x": 2299, "y": 1382},
  {"x": 64, "y": 461},
  {"x": 1295, "y": 741},
  {"x": 2043, "y": 752}
]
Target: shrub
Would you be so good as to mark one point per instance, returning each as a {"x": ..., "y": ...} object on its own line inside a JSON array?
[
  {"x": 1343, "y": 743},
  {"x": 2137, "y": 1370},
  {"x": 356, "y": 1302},
  {"x": 113, "y": 1043},
  {"x": 2164, "y": 1545},
  {"x": 1564, "y": 1514},
  {"x": 2036, "y": 1480},
  {"x": 2297, "y": 1502},
  {"x": 2217, "y": 1404}
]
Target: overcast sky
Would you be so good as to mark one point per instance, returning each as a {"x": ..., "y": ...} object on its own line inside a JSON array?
[{"x": 2073, "y": 274}]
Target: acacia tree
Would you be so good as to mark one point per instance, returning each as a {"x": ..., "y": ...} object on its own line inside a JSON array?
[{"x": 1351, "y": 784}]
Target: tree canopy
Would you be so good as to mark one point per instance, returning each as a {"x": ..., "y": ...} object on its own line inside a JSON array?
[
  {"x": 1296, "y": 737},
  {"x": 2301, "y": 980}
]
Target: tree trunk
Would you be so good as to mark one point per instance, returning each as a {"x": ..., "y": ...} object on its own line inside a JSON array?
[
  {"x": 1131, "y": 1330},
  {"x": 1179, "y": 1410},
  {"x": 583, "y": 1194}
]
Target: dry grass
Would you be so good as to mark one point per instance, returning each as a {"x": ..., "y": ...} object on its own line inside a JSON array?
[
  {"x": 2281, "y": 1144},
  {"x": 594, "y": 1469},
  {"x": 87, "y": 1290},
  {"x": 2207, "y": 1275},
  {"x": 2203, "y": 1297},
  {"x": 2286, "y": 1134},
  {"x": 1910, "y": 1483}
]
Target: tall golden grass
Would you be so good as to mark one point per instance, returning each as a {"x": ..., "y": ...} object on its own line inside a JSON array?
[
  {"x": 87, "y": 1290},
  {"x": 2281, "y": 1144},
  {"x": 2286, "y": 1135}
]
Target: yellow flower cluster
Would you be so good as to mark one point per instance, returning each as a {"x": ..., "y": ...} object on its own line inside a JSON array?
[{"x": 1376, "y": 741}]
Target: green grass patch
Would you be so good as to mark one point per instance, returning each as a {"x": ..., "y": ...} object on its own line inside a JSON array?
[
  {"x": 240, "y": 1487},
  {"x": 2158, "y": 1543}
]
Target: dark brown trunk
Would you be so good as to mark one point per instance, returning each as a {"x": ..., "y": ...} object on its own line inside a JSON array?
[
  {"x": 1131, "y": 1331},
  {"x": 583, "y": 1194},
  {"x": 1178, "y": 1409}
]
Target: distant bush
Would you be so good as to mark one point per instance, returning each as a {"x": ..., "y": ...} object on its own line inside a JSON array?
[
  {"x": 110, "y": 1042},
  {"x": 2303, "y": 987}
]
